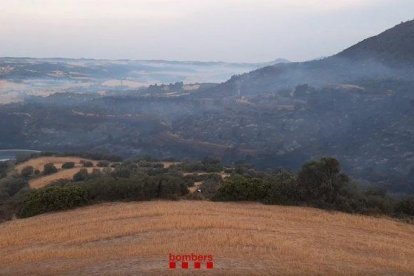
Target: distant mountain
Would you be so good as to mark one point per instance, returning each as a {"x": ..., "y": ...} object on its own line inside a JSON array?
[
  {"x": 387, "y": 55},
  {"x": 276, "y": 61}
]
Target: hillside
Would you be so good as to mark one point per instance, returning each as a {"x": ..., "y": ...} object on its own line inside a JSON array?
[
  {"x": 356, "y": 106},
  {"x": 393, "y": 46},
  {"x": 387, "y": 55},
  {"x": 135, "y": 238},
  {"x": 61, "y": 174}
]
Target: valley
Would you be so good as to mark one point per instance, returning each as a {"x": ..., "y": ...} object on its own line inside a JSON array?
[{"x": 357, "y": 108}]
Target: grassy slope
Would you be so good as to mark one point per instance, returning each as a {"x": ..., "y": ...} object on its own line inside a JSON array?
[
  {"x": 67, "y": 174},
  {"x": 122, "y": 238}
]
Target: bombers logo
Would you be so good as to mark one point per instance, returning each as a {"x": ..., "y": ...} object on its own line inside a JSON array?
[{"x": 197, "y": 261}]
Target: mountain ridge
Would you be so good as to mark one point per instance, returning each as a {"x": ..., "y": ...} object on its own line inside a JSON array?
[{"x": 377, "y": 57}]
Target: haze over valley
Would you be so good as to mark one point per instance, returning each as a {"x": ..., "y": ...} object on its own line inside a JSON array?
[{"x": 22, "y": 77}]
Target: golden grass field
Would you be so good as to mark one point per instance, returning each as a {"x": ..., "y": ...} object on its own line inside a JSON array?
[
  {"x": 67, "y": 174},
  {"x": 38, "y": 163},
  {"x": 244, "y": 239}
]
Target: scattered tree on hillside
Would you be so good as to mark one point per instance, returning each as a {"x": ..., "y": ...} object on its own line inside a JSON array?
[
  {"x": 87, "y": 164},
  {"x": 68, "y": 165},
  {"x": 81, "y": 175},
  {"x": 322, "y": 182},
  {"x": 49, "y": 168},
  {"x": 27, "y": 171}
]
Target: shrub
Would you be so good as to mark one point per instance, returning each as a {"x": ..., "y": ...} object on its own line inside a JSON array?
[
  {"x": 103, "y": 163},
  {"x": 406, "y": 206},
  {"x": 87, "y": 164},
  {"x": 283, "y": 189},
  {"x": 207, "y": 165},
  {"x": 81, "y": 175},
  {"x": 240, "y": 188},
  {"x": 95, "y": 173},
  {"x": 49, "y": 168},
  {"x": 210, "y": 186},
  {"x": 121, "y": 172},
  {"x": 138, "y": 187},
  {"x": 27, "y": 171},
  {"x": 9, "y": 186},
  {"x": 68, "y": 165},
  {"x": 170, "y": 187},
  {"x": 52, "y": 199},
  {"x": 109, "y": 189},
  {"x": 4, "y": 167}
]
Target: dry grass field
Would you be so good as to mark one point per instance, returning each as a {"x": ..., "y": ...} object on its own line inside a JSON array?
[
  {"x": 43, "y": 181},
  {"x": 244, "y": 238},
  {"x": 38, "y": 163},
  {"x": 67, "y": 174}
]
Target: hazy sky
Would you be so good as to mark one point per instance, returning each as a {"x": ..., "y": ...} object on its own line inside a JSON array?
[{"x": 228, "y": 30}]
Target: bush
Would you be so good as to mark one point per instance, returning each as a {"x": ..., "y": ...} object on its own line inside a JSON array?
[
  {"x": 207, "y": 165},
  {"x": 95, "y": 173},
  {"x": 68, "y": 165},
  {"x": 4, "y": 167},
  {"x": 283, "y": 189},
  {"x": 9, "y": 186},
  {"x": 210, "y": 186},
  {"x": 87, "y": 164},
  {"x": 240, "y": 188},
  {"x": 170, "y": 187},
  {"x": 52, "y": 199},
  {"x": 405, "y": 207},
  {"x": 49, "y": 168},
  {"x": 121, "y": 172},
  {"x": 103, "y": 164},
  {"x": 109, "y": 189},
  {"x": 138, "y": 187},
  {"x": 27, "y": 171},
  {"x": 81, "y": 175}
]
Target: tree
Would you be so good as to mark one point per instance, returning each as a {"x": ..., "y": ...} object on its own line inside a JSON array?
[
  {"x": 283, "y": 188},
  {"x": 9, "y": 186},
  {"x": 322, "y": 182},
  {"x": 68, "y": 165},
  {"x": 27, "y": 171},
  {"x": 52, "y": 199},
  {"x": 240, "y": 188},
  {"x": 49, "y": 168},
  {"x": 103, "y": 163}
]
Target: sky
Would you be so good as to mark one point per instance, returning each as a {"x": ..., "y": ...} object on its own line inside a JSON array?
[{"x": 205, "y": 30}]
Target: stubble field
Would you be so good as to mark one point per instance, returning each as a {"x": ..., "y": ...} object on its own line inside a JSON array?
[{"x": 244, "y": 238}]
